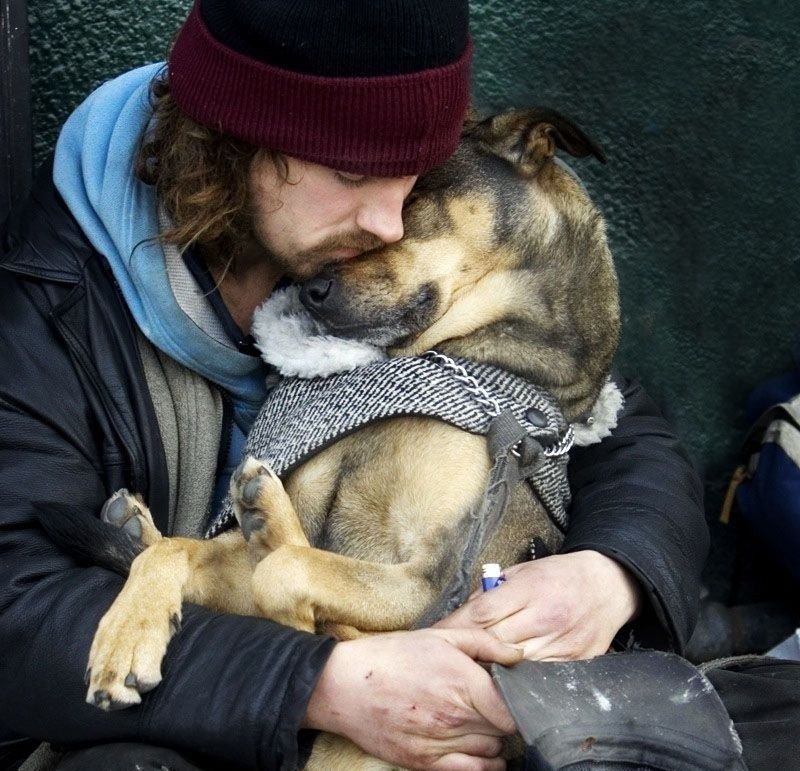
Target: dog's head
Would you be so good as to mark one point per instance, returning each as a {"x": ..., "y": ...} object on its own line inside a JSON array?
[{"x": 504, "y": 260}]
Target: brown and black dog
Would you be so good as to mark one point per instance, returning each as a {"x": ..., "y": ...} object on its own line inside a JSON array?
[{"x": 504, "y": 261}]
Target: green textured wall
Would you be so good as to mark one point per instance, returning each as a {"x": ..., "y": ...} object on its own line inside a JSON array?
[{"x": 696, "y": 104}]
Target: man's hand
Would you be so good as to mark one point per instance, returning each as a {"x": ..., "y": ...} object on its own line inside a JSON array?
[
  {"x": 418, "y": 699},
  {"x": 568, "y": 606}
]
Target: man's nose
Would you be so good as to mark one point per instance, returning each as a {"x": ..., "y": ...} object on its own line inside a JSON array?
[{"x": 381, "y": 213}]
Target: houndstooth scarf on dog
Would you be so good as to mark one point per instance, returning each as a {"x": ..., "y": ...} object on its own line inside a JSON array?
[{"x": 303, "y": 416}]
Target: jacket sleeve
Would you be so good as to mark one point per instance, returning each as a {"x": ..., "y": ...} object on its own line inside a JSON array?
[
  {"x": 233, "y": 687},
  {"x": 637, "y": 499}
]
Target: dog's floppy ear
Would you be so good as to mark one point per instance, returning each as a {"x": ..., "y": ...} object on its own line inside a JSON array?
[{"x": 528, "y": 138}]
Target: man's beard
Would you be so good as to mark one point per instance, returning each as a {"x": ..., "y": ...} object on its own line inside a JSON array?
[{"x": 307, "y": 263}]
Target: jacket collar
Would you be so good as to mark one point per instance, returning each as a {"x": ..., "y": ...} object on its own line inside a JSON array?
[{"x": 41, "y": 238}]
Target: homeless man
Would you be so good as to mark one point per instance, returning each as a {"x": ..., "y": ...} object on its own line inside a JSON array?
[{"x": 279, "y": 138}]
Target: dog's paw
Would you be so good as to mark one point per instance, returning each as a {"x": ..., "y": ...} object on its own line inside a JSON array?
[
  {"x": 127, "y": 650},
  {"x": 129, "y": 513},
  {"x": 255, "y": 491}
]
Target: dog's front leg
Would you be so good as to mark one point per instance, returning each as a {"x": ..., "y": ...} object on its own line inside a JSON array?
[
  {"x": 301, "y": 586},
  {"x": 312, "y": 589},
  {"x": 132, "y": 637}
]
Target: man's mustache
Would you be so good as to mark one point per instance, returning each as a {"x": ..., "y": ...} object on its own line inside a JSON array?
[{"x": 362, "y": 242}]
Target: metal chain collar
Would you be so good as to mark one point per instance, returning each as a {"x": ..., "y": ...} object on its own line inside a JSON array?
[{"x": 490, "y": 404}]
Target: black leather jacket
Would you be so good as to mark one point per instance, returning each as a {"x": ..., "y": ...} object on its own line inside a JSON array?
[{"x": 77, "y": 423}]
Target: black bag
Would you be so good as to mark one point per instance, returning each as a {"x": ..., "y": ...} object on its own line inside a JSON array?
[{"x": 762, "y": 696}]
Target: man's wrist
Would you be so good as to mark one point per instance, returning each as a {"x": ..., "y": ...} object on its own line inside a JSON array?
[
  {"x": 323, "y": 705},
  {"x": 623, "y": 588}
]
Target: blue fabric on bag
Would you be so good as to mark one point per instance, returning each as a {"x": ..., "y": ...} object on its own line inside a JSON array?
[
  {"x": 771, "y": 392},
  {"x": 770, "y": 502},
  {"x": 769, "y": 497}
]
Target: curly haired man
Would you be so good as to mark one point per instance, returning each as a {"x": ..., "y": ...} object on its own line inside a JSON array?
[{"x": 278, "y": 138}]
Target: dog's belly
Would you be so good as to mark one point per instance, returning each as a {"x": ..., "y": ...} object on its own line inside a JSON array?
[
  {"x": 390, "y": 489},
  {"x": 402, "y": 491}
]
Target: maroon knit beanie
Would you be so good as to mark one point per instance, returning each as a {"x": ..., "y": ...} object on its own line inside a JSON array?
[{"x": 375, "y": 87}]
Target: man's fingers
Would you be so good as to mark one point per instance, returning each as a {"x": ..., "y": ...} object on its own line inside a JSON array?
[
  {"x": 458, "y": 762},
  {"x": 540, "y": 648},
  {"x": 484, "y": 697},
  {"x": 512, "y": 569},
  {"x": 486, "y": 608},
  {"x": 477, "y": 745},
  {"x": 488, "y": 702},
  {"x": 557, "y": 648},
  {"x": 522, "y": 627},
  {"x": 481, "y": 646}
]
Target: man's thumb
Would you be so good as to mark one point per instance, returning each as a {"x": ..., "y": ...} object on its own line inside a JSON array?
[{"x": 481, "y": 646}]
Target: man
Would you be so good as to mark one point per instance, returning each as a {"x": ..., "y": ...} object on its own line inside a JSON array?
[{"x": 281, "y": 137}]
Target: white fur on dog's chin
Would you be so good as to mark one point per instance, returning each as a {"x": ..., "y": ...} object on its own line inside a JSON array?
[
  {"x": 603, "y": 417},
  {"x": 295, "y": 344}
]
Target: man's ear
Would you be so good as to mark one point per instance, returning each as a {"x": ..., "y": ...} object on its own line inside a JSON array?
[{"x": 528, "y": 138}]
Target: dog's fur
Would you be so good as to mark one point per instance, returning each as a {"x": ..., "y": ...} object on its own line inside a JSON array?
[{"x": 504, "y": 261}]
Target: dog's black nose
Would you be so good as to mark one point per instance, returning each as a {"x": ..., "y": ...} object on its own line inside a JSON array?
[{"x": 315, "y": 291}]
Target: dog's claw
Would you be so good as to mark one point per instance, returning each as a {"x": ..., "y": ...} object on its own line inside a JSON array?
[
  {"x": 102, "y": 699},
  {"x": 250, "y": 491},
  {"x": 251, "y": 522},
  {"x": 145, "y": 687},
  {"x": 131, "y": 681},
  {"x": 175, "y": 623},
  {"x": 130, "y": 514},
  {"x": 133, "y": 527},
  {"x": 87, "y": 676},
  {"x": 115, "y": 508}
]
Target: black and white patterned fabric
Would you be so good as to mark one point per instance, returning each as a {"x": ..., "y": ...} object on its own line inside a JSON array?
[{"x": 303, "y": 416}]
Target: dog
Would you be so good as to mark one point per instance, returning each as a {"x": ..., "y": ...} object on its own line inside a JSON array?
[{"x": 505, "y": 262}]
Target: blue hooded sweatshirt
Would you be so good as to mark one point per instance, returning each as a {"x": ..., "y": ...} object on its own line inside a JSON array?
[{"x": 94, "y": 171}]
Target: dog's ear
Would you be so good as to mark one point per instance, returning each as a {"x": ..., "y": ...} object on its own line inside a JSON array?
[{"x": 528, "y": 138}]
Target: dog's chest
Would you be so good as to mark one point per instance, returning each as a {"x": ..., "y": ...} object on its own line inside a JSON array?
[{"x": 397, "y": 491}]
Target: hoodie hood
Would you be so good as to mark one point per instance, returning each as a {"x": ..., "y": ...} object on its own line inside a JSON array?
[{"x": 94, "y": 173}]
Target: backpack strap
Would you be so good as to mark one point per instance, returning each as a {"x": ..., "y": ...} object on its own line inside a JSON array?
[
  {"x": 788, "y": 412},
  {"x": 780, "y": 424}
]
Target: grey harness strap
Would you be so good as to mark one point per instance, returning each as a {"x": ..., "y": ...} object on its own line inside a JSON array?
[
  {"x": 515, "y": 456},
  {"x": 528, "y": 436}
]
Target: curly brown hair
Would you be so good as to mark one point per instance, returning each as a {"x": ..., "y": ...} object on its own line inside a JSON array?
[{"x": 201, "y": 178}]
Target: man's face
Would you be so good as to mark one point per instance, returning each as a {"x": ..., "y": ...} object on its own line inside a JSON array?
[{"x": 317, "y": 216}]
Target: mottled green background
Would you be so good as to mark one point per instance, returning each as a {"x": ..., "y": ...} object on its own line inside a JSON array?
[{"x": 696, "y": 105}]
